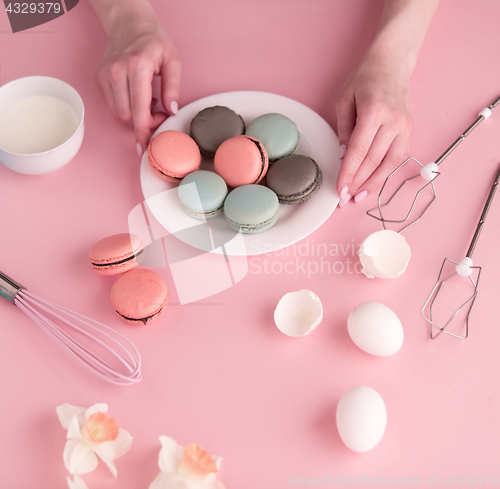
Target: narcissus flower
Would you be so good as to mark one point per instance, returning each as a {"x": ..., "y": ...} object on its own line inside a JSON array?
[
  {"x": 189, "y": 467},
  {"x": 76, "y": 483},
  {"x": 91, "y": 434}
]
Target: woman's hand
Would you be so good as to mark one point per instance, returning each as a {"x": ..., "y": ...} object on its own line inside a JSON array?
[
  {"x": 374, "y": 127},
  {"x": 138, "y": 48},
  {"x": 373, "y": 111}
]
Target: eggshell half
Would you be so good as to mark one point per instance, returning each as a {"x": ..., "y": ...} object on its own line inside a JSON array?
[
  {"x": 384, "y": 254},
  {"x": 376, "y": 329},
  {"x": 361, "y": 418},
  {"x": 298, "y": 313}
]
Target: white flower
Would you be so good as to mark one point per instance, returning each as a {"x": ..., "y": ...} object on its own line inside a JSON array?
[
  {"x": 188, "y": 467},
  {"x": 76, "y": 483},
  {"x": 91, "y": 433}
]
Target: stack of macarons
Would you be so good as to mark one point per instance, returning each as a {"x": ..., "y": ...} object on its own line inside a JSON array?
[
  {"x": 139, "y": 295},
  {"x": 244, "y": 157}
]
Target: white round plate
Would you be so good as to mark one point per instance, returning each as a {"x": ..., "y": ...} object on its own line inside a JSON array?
[{"x": 295, "y": 222}]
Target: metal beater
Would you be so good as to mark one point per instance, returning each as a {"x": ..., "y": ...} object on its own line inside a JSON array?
[
  {"x": 463, "y": 268},
  {"x": 428, "y": 172}
]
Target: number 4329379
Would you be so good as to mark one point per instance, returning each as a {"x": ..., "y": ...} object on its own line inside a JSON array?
[{"x": 33, "y": 8}]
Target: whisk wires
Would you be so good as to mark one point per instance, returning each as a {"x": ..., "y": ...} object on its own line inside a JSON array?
[
  {"x": 118, "y": 362},
  {"x": 428, "y": 172},
  {"x": 464, "y": 268}
]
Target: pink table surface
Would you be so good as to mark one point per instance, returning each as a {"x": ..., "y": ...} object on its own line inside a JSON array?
[{"x": 218, "y": 372}]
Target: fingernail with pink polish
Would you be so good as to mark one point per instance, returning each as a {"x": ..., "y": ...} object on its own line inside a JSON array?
[
  {"x": 138, "y": 147},
  {"x": 343, "y": 192},
  {"x": 342, "y": 151},
  {"x": 344, "y": 200},
  {"x": 359, "y": 197},
  {"x": 174, "y": 107}
]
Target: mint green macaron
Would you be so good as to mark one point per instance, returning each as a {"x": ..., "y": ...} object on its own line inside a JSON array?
[
  {"x": 202, "y": 194},
  {"x": 251, "y": 208},
  {"x": 277, "y": 133}
]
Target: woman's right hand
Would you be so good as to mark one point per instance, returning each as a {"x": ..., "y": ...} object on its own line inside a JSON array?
[
  {"x": 374, "y": 127},
  {"x": 137, "y": 49},
  {"x": 373, "y": 111}
]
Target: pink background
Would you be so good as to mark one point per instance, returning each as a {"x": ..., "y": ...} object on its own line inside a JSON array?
[{"x": 218, "y": 372}]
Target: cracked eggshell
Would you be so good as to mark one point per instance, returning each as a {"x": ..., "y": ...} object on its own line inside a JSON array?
[
  {"x": 376, "y": 329},
  {"x": 361, "y": 418},
  {"x": 384, "y": 254},
  {"x": 298, "y": 313}
]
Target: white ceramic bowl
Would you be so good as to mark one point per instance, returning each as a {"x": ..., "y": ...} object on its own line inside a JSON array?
[{"x": 57, "y": 157}]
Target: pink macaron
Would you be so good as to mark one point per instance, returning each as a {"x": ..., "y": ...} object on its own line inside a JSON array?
[
  {"x": 241, "y": 160},
  {"x": 116, "y": 254},
  {"x": 139, "y": 296},
  {"x": 173, "y": 154}
]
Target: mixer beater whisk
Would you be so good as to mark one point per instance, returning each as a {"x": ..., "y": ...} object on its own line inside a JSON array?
[
  {"x": 464, "y": 270},
  {"x": 429, "y": 173}
]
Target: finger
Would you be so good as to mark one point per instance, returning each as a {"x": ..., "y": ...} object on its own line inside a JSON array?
[
  {"x": 394, "y": 157},
  {"x": 170, "y": 72},
  {"x": 158, "y": 114},
  {"x": 104, "y": 85},
  {"x": 140, "y": 80},
  {"x": 109, "y": 97},
  {"x": 346, "y": 121},
  {"x": 359, "y": 144},
  {"x": 113, "y": 79},
  {"x": 157, "y": 118},
  {"x": 119, "y": 84},
  {"x": 346, "y": 118},
  {"x": 378, "y": 150}
]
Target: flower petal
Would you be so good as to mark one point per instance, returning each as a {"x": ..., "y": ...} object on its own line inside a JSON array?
[
  {"x": 161, "y": 481},
  {"x": 96, "y": 408},
  {"x": 122, "y": 443},
  {"x": 76, "y": 483},
  {"x": 106, "y": 454},
  {"x": 79, "y": 458},
  {"x": 210, "y": 479},
  {"x": 74, "y": 432},
  {"x": 217, "y": 461},
  {"x": 168, "y": 481},
  {"x": 205, "y": 481},
  {"x": 66, "y": 412},
  {"x": 170, "y": 455}
]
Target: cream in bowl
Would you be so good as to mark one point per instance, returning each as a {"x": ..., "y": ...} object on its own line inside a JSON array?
[{"x": 41, "y": 124}]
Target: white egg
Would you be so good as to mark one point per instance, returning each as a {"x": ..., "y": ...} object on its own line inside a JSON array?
[
  {"x": 375, "y": 329},
  {"x": 361, "y": 418}
]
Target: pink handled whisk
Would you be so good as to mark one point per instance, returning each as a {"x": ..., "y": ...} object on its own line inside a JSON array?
[
  {"x": 106, "y": 352},
  {"x": 428, "y": 173}
]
